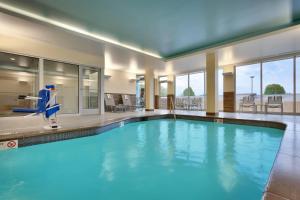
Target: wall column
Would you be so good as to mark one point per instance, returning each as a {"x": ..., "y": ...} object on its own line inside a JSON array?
[
  {"x": 149, "y": 90},
  {"x": 156, "y": 93},
  {"x": 211, "y": 83},
  {"x": 229, "y": 89},
  {"x": 171, "y": 92}
]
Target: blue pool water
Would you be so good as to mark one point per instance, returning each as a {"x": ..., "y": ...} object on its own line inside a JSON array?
[{"x": 160, "y": 159}]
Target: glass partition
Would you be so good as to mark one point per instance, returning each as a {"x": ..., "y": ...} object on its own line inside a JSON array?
[
  {"x": 248, "y": 85},
  {"x": 163, "y": 92},
  {"x": 140, "y": 90},
  {"x": 197, "y": 91},
  {"x": 89, "y": 90},
  {"x": 190, "y": 91},
  {"x": 182, "y": 91},
  {"x": 297, "y": 85},
  {"x": 18, "y": 79},
  {"x": 278, "y": 83},
  {"x": 65, "y": 77}
]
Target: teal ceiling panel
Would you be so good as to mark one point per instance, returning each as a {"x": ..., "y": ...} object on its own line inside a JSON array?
[{"x": 170, "y": 27}]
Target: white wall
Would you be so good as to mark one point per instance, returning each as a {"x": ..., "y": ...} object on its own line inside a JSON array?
[
  {"x": 38, "y": 40},
  {"x": 119, "y": 82}
]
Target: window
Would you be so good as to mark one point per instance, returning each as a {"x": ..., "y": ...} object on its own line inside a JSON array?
[
  {"x": 298, "y": 84},
  {"x": 197, "y": 90},
  {"x": 190, "y": 91},
  {"x": 181, "y": 92},
  {"x": 163, "y": 92},
  {"x": 278, "y": 81},
  {"x": 140, "y": 90},
  {"x": 18, "y": 79},
  {"x": 65, "y": 77},
  {"x": 277, "y": 86},
  {"x": 90, "y": 88},
  {"x": 248, "y": 83}
]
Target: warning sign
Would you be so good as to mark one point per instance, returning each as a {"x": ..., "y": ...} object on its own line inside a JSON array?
[{"x": 11, "y": 144}]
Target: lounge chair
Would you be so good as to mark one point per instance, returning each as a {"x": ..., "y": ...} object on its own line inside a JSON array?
[
  {"x": 248, "y": 102},
  {"x": 110, "y": 103},
  {"x": 140, "y": 102},
  {"x": 274, "y": 102},
  {"x": 195, "y": 103},
  {"x": 128, "y": 103},
  {"x": 179, "y": 103}
]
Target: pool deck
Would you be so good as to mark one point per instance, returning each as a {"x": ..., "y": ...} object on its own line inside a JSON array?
[{"x": 284, "y": 182}]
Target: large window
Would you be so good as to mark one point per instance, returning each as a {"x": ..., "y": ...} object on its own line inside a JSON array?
[
  {"x": 140, "y": 90},
  {"x": 197, "y": 90},
  {"x": 275, "y": 93},
  {"x": 65, "y": 77},
  {"x": 18, "y": 79},
  {"x": 190, "y": 91},
  {"x": 248, "y": 84},
  {"x": 298, "y": 85},
  {"x": 278, "y": 81},
  {"x": 163, "y": 92},
  {"x": 181, "y": 91},
  {"x": 90, "y": 88}
]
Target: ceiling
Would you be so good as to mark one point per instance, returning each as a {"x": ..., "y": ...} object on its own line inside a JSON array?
[{"x": 170, "y": 28}]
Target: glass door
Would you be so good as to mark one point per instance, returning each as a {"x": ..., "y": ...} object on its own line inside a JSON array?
[{"x": 89, "y": 90}]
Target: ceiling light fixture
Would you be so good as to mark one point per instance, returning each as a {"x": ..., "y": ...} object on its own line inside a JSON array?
[
  {"x": 12, "y": 59},
  {"x": 74, "y": 29}
]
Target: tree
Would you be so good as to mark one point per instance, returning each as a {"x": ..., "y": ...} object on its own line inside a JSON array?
[
  {"x": 274, "y": 89},
  {"x": 188, "y": 92}
]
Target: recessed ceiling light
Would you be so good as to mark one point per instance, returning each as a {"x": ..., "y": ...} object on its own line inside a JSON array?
[
  {"x": 13, "y": 59},
  {"x": 75, "y": 29}
]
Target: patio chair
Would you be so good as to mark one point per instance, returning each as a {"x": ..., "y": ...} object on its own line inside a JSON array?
[
  {"x": 248, "y": 102},
  {"x": 179, "y": 103},
  {"x": 128, "y": 103},
  {"x": 196, "y": 103},
  {"x": 140, "y": 102},
  {"x": 274, "y": 102},
  {"x": 110, "y": 103}
]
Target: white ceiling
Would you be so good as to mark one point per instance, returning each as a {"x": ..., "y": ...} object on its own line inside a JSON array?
[{"x": 13, "y": 28}]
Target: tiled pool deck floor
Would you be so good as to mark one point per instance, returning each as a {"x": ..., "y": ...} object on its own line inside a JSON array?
[{"x": 284, "y": 180}]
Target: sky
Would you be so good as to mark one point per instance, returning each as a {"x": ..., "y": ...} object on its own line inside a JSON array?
[
  {"x": 274, "y": 72},
  {"x": 196, "y": 83}
]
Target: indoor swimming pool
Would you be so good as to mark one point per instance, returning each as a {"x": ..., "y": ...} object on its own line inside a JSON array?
[{"x": 156, "y": 159}]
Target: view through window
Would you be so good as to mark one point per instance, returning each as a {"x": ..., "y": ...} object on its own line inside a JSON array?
[
  {"x": 248, "y": 83},
  {"x": 190, "y": 91},
  {"x": 274, "y": 94},
  {"x": 163, "y": 92},
  {"x": 140, "y": 90}
]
